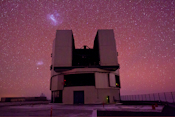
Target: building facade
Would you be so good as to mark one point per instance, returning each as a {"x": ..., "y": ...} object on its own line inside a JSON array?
[{"x": 85, "y": 75}]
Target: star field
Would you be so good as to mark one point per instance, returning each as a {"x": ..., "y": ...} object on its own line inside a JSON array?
[{"x": 144, "y": 32}]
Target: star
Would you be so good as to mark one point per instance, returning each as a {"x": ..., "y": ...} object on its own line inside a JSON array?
[{"x": 39, "y": 63}]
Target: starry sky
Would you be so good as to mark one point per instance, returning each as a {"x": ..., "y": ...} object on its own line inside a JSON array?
[{"x": 144, "y": 32}]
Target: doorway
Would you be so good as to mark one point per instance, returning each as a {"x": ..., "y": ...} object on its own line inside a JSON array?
[
  {"x": 78, "y": 97},
  {"x": 107, "y": 98}
]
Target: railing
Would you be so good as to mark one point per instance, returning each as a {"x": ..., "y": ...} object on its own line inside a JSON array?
[{"x": 164, "y": 97}]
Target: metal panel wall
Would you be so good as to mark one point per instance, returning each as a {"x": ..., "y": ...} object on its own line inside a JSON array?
[
  {"x": 101, "y": 80},
  {"x": 90, "y": 94},
  {"x": 53, "y": 56},
  {"x": 54, "y": 83},
  {"x": 57, "y": 82},
  {"x": 112, "y": 93},
  {"x": 63, "y": 48},
  {"x": 112, "y": 80},
  {"x": 107, "y": 48}
]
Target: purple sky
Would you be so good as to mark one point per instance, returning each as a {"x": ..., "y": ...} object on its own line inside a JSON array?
[{"x": 144, "y": 32}]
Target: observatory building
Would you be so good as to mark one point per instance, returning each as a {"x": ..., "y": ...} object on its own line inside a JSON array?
[{"x": 85, "y": 75}]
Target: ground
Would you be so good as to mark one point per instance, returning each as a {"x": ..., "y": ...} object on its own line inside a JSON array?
[{"x": 56, "y": 109}]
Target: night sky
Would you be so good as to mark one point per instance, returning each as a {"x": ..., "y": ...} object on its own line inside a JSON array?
[{"x": 144, "y": 32}]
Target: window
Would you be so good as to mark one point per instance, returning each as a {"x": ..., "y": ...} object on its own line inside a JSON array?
[
  {"x": 79, "y": 80},
  {"x": 117, "y": 79},
  {"x": 108, "y": 81}
]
